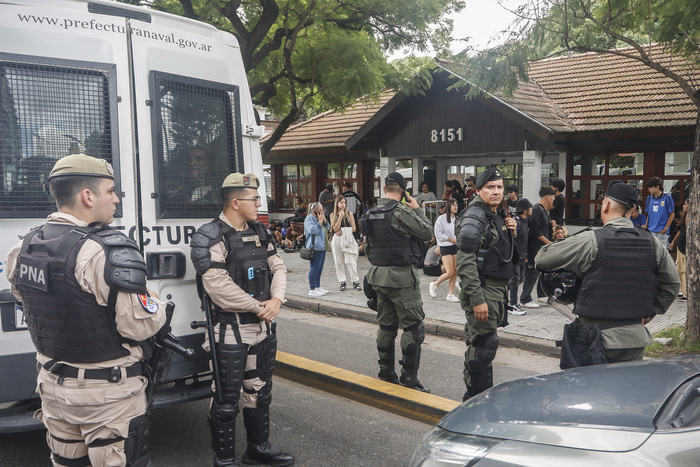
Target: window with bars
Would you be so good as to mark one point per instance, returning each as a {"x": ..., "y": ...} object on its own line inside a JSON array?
[
  {"x": 296, "y": 181},
  {"x": 337, "y": 173},
  {"x": 50, "y": 109},
  {"x": 590, "y": 175},
  {"x": 197, "y": 143}
]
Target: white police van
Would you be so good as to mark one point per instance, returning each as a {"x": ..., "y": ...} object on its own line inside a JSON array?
[{"x": 163, "y": 98}]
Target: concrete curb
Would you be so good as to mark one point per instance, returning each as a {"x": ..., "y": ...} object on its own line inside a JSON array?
[
  {"x": 438, "y": 328},
  {"x": 410, "y": 403}
]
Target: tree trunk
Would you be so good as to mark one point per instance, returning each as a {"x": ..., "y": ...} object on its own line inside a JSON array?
[{"x": 692, "y": 325}]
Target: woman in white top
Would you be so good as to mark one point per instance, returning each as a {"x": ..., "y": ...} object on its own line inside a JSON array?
[
  {"x": 426, "y": 195},
  {"x": 343, "y": 245},
  {"x": 447, "y": 241}
]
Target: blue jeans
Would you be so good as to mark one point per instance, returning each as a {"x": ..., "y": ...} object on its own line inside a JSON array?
[
  {"x": 663, "y": 238},
  {"x": 316, "y": 268}
]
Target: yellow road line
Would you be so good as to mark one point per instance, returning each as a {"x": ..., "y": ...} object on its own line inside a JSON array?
[{"x": 409, "y": 403}]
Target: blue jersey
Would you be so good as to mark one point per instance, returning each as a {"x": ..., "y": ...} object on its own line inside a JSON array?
[
  {"x": 658, "y": 211},
  {"x": 639, "y": 221}
]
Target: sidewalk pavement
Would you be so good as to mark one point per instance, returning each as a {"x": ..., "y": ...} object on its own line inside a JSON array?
[{"x": 535, "y": 331}]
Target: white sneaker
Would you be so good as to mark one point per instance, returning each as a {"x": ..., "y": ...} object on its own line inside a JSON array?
[
  {"x": 531, "y": 305},
  {"x": 433, "y": 290},
  {"x": 451, "y": 298},
  {"x": 322, "y": 290},
  {"x": 314, "y": 293},
  {"x": 542, "y": 300},
  {"x": 516, "y": 310}
]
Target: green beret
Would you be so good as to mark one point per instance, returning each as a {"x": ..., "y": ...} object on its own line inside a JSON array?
[
  {"x": 80, "y": 164},
  {"x": 238, "y": 180}
]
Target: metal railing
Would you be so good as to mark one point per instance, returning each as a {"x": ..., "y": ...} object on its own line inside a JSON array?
[{"x": 431, "y": 209}]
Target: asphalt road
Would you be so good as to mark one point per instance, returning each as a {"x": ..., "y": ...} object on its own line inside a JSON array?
[
  {"x": 351, "y": 345},
  {"x": 319, "y": 428}
]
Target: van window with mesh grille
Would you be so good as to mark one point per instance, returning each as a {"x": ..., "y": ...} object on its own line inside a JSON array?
[
  {"x": 197, "y": 143},
  {"x": 48, "y": 111}
]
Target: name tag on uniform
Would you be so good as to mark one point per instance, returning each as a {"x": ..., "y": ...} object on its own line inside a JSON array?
[
  {"x": 34, "y": 274},
  {"x": 252, "y": 238}
]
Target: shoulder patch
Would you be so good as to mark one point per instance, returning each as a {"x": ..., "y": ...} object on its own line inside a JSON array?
[{"x": 148, "y": 304}]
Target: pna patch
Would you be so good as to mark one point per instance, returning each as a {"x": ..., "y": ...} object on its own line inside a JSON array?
[
  {"x": 148, "y": 304},
  {"x": 34, "y": 274}
]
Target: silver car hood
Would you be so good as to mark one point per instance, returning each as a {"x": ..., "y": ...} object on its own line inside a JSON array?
[
  {"x": 594, "y": 438},
  {"x": 609, "y": 408}
]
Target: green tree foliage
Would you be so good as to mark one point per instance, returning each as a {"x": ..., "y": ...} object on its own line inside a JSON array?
[
  {"x": 550, "y": 27},
  {"x": 308, "y": 56}
]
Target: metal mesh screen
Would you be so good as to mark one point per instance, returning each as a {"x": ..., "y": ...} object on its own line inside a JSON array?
[
  {"x": 47, "y": 112},
  {"x": 198, "y": 144}
]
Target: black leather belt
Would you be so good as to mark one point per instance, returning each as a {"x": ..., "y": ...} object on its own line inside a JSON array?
[
  {"x": 248, "y": 318},
  {"x": 113, "y": 375}
]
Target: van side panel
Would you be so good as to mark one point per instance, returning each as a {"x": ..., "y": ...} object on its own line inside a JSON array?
[{"x": 195, "y": 58}]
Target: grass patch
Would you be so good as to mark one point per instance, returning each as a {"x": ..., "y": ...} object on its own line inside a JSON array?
[{"x": 679, "y": 346}]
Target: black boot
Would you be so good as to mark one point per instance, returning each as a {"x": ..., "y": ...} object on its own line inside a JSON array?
[
  {"x": 226, "y": 462},
  {"x": 260, "y": 450},
  {"x": 386, "y": 367},
  {"x": 389, "y": 376},
  {"x": 409, "y": 372},
  {"x": 222, "y": 423}
]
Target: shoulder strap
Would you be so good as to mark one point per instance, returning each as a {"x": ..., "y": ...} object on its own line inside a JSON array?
[
  {"x": 27, "y": 240},
  {"x": 71, "y": 238}
]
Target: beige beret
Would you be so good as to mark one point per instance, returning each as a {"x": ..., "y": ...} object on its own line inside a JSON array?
[
  {"x": 238, "y": 180},
  {"x": 81, "y": 164}
]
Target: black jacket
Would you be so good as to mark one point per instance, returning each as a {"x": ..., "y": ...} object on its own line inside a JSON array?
[{"x": 539, "y": 225}]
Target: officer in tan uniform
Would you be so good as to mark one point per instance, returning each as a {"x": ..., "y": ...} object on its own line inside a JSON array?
[
  {"x": 240, "y": 270},
  {"x": 83, "y": 289}
]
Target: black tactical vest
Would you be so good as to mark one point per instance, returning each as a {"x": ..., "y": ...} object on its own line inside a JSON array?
[
  {"x": 621, "y": 283},
  {"x": 246, "y": 260},
  {"x": 65, "y": 322},
  {"x": 387, "y": 246},
  {"x": 498, "y": 262}
]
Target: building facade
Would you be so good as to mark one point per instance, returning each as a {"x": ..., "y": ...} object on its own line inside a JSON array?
[{"x": 587, "y": 119}]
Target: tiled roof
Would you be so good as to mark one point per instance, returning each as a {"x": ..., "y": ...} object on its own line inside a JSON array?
[
  {"x": 576, "y": 93},
  {"x": 609, "y": 92},
  {"x": 530, "y": 99},
  {"x": 331, "y": 129}
]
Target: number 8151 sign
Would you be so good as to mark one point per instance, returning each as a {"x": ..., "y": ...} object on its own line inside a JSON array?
[{"x": 446, "y": 135}]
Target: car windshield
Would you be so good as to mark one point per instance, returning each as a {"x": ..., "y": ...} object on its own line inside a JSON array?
[{"x": 606, "y": 395}]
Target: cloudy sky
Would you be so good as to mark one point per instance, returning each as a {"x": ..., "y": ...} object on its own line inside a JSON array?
[{"x": 481, "y": 20}]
